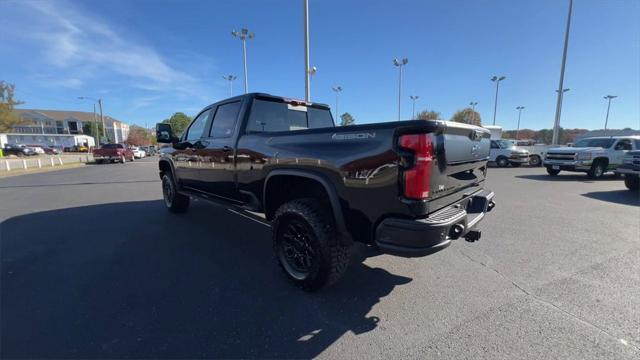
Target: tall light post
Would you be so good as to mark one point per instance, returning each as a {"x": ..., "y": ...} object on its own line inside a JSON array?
[
  {"x": 606, "y": 119},
  {"x": 307, "y": 69},
  {"x": 230, "y": 78},
  {"x": 473, "y": 109},
  {"x": 559, "y": 110},
  {"x": 243, "y": 35},
  {"x": 337, "y": 90},
  {"x": 99, "y": 101},
  {"x": 519, "y": 108},
  {"x": 497, "y": 80},
  {"x": 400, "y": 64},
  {"x": 556, "y": 124},
  {"x": 413, "y": 109}
]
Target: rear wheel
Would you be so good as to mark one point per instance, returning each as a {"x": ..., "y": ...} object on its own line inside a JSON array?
[
  {"x": 597, "y": 169},
  {"x": 552, "y": 172},
  {"x": 307, "y": 245},
  {"x": 632, "y": 182},
  {"x": 535, "y": 160},
  {"x": 502, "y": 161},
  {"x": 174, "y": 201}
]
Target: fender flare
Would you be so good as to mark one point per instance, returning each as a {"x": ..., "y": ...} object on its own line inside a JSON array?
[
  {"x": 328, "y": 187},
  {"x": 173, "y": 170}
]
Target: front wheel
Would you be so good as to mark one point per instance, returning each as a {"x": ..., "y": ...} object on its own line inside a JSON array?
[
  {"x": 597, "y": 170},
  {"x": 307, "y": 246},
  {"x": 174, "y": 201},
  {"x": 502, "y": 161},
  {"x": 535, "y": 161},
  {"x": 552, "y": 171},
  {"x": 632, "y": 182}
]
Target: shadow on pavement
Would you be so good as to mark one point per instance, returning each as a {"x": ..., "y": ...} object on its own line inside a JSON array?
[
  {"x": 131, "y": 280},
  {"x": 568, "y": 177},
  {"x": 624, "y": 197},
  {"x": 80, "y": 183}
]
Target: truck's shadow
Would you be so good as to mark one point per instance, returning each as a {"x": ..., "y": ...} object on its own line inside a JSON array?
[
  {"x": 131, "y": 280},
  {"x": 569, "y": 177},
  {"x": 623, "y": 197}
]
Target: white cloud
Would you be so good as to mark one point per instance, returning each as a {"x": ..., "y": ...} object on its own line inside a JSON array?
[{"x": 73, "y": 39}]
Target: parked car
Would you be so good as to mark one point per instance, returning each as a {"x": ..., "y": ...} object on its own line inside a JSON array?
[
  {"x": 537, "y": 152},
  {"x": 112, "y": 153},
  {"x": 630, "y": 168},
  {"x": 595, "y": 155},
  {"x": 138, "y": 153},
  {"x": 407, "y": 187},
  {"x": 49, "y": 150},
  {"x": 149, "y": 150},
  {"x": 37, "y": 148},
  {"x": 18, "y": 150},
  {"x": 503, "y": 152}
]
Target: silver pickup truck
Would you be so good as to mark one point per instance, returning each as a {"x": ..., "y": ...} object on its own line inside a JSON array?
[
  {"x": 630, "y": 169},
  {"x": 595, "y": 156}
]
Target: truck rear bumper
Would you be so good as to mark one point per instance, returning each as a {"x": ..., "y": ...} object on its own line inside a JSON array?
[{"x": 420, "y": 237}]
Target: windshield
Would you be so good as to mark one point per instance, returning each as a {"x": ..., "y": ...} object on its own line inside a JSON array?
[
  {"x": 594, "y": 142},
  {"x": 111, "y": 146},
  {"x": 505, "y": 144}
]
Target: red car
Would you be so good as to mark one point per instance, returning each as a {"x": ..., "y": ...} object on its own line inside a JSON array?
[{"x": 112, "y": 153}]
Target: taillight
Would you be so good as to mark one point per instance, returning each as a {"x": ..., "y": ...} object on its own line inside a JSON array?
[{"x": 417, "y": 180}]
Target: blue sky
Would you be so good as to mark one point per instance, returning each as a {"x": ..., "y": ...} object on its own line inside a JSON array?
[{"x": 150, "y": 58}]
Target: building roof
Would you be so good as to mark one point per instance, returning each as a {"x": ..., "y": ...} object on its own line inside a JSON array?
[{"x": 60, "y": 115}]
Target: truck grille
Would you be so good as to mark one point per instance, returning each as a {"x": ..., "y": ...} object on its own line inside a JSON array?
[{"x": 561, "y": 156}]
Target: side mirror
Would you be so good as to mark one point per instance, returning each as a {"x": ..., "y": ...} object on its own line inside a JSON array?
[{"x": 164, "y": 134}]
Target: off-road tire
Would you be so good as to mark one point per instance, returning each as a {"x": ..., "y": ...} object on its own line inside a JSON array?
[
  {"x": 502, "y": 161},
  {"x": 331, "y": 255},
  {"x": 174, "y": 201},
  {"x": 632, "y": 182},
  {"x": 598, "y": 168},
  {"x": 552, "y": 172}
]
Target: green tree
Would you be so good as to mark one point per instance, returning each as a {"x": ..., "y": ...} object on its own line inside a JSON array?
[
  {"x": 89, "y": 128},
  {"x": 428, "y": 115},
  {"x": 347, "y": 119},
  {"x": 179, "y": 122},
  {"x": 8, "y": 118},
  {"x": 467, "y": 116}
]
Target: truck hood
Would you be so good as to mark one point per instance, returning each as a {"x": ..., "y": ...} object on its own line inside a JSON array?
[{"x": 571, "y": 150}]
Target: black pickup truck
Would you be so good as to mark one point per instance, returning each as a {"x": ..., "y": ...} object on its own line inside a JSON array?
[{"x": 407, "y": 187}]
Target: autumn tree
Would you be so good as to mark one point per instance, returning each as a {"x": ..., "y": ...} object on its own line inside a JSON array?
[
  {"x": 8, "y": 118},
  {"x": 139, "y": 136},
  {"x": 179, "y": 122},
  {"x": 347, "y": 119},
  {"x": 428, "y": 115},
  {"x": 467, "y": 116}
]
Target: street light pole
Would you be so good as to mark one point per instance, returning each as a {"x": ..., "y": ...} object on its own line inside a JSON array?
[
  {"x": 243, "y": 35},
  {"x": 338, "y": 90},
  {"x": 473, "y": 109},
  {"x": 497, "y": 80},
  {"x": 606, "y": 120},
  {"x": 556, "y": 124},
  {"x": 99, "y": 101},
  {"x": 561, "y": 100},
  {"x": 307, "y": 74},
  {"x": 519, "y": 108},
  {"x": 413, "y": 111},
  {"x": 230, "y": 79},
  {"x": 400, "y": 64}
]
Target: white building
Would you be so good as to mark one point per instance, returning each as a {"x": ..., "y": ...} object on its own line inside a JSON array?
[
  {"x": 60, "y": 122},
  {"x": 64, "y": 140}
]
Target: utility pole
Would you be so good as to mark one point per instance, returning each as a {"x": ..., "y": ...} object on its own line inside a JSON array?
[
  {"x": 243, "y": 35},
  {"x": 230, "y": 79},
  {"x": 606, "y": 120},
  {"x": 307, "y": 70},
  {"x": 473, "y": 109},
  {"x": 519, "y": 108},
  {"x": 556, "y": 124},
  {"x": 497, "y": 80},
  {"x": 338, "y": 90},
  {"x": 99, "y": 101},
  {"x": 413, "y": 111},
  {"x": 400, "y": 64}
]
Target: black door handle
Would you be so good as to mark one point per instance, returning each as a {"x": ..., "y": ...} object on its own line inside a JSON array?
[{"x": 226, "y": 148}]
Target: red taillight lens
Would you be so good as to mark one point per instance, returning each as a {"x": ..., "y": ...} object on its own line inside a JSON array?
[{"x": 417, "y": 180}]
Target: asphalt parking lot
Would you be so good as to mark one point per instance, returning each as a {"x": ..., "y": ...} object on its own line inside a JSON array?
[{"x": 93, "y": 266}]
